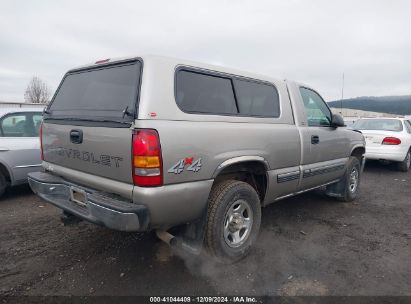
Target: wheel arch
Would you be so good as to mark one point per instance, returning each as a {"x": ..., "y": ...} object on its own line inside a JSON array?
[
  {"x": 250, "y": 169},
  {"x": 358, "y": 151}
]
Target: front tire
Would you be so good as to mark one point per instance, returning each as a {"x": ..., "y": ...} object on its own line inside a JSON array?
[
  {"x": 351, "y": 179},
  {"x": 405, "y": 165},
  {"x": 346, "y": 190},
  {"x": 233, "y": 220}
]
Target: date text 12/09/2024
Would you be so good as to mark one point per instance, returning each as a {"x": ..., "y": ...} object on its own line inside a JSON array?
[{"x": 205, "y": 299}]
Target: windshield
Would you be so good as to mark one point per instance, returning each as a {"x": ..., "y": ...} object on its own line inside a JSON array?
[
  {"x": 394, "y": 125},
  {"x": 97, "y": 94}
]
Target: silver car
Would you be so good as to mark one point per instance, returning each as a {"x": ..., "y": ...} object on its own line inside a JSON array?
[{"x": 19, "y": 145}]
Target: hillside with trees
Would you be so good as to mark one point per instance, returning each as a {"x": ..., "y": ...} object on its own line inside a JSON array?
[{"x": 400, "y": 105}]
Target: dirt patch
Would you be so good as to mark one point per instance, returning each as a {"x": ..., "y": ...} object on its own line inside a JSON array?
[{"x": 308, "y": 245}]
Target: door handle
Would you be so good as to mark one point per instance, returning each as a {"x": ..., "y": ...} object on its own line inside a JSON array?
[
  {"x": 76, "y": 136},
  {"x": 4, "y": 149},
  {"x": 315, "y": 139}
]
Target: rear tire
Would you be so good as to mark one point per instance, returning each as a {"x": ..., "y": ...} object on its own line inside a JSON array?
[
  {"x": 233, "y": 220},
  {"x": 405, "y": 165},
  {"x": 3, "y": 184}
]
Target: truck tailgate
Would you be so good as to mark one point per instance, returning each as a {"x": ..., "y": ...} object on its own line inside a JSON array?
[{"x": 102, "y": 151}]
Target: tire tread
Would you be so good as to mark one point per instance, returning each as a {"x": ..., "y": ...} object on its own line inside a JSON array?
[{"x": 211, "y": 241}]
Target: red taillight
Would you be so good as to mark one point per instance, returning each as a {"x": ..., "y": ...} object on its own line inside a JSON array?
[
  {"x": 391, "y": 141},
  {"x": 146, "y": 161},
  {"x": 41, "y": 141}
]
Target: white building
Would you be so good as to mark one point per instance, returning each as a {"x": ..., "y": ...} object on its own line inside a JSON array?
[
  {"x": 352, "y": 115},
  {"x": 21, "y": 105},
  {"x": 360, "y": 113}
]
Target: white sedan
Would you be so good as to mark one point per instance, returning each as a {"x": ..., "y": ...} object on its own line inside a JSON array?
[
  {"x": 19, "y": 145},
  {"x": 387, "y": 139}
]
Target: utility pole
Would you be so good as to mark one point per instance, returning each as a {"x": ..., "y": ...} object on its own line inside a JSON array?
[{"x": 342, "y": 92}]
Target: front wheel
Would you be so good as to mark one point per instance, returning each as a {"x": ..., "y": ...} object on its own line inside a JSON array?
[
  {"x": 405, "y": 165},
  {"x": 347, "y": 188},
  {"x": 233, "y": 220}
]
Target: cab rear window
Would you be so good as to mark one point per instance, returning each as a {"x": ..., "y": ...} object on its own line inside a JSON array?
[
  {"x": 98, "y": 92},
  {"x": 203, "y": 93}
]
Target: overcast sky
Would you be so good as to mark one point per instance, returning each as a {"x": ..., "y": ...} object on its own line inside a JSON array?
[{"x": 305, "y": 40}]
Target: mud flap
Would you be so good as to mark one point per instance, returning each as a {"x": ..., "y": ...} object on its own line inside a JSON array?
[
  {"x": 191, "y": 237},
  {"x": 337, "y": 189}
]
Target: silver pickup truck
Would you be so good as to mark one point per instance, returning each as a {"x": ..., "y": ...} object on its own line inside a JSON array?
[{"x": 154, "y": 143}]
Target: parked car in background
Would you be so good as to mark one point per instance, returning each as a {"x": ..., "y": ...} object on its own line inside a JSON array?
[
  {"x": 387, "y": 139},
  {"x": 19, "y": 145}
]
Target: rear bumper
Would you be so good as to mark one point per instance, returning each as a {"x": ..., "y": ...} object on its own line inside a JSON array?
[
  {"x": 390, "y": 153},
  {"x": 99, "y": 208}
]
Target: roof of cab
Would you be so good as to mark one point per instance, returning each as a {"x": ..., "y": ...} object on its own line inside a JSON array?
[{"x": 178, "y": 62}]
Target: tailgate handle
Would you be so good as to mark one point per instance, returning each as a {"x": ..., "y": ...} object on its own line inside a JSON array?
[{"x": 76, "y": 136}]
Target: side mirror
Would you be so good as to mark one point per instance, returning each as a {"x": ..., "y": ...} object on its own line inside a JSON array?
[{"x": 337, "y": 121}]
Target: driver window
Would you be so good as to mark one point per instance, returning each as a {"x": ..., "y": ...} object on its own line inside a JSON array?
[{"x": 316, "y": 111}]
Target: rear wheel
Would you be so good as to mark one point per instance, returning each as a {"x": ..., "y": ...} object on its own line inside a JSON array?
[
  {"x": 233, "y": 220},
  {"x": 405, "y": 165}
]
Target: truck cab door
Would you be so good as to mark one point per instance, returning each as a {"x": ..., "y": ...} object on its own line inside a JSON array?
[{"x": 324, "y": 148}]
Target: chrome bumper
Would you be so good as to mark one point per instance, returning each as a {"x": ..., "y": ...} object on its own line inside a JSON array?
[{"x": 99, "y": 208}]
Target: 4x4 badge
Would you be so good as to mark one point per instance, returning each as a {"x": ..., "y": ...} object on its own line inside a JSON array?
[{"x": 179, "y": 167}]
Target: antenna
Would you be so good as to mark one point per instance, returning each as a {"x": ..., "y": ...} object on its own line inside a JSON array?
[{"x": 342, "y": 92}]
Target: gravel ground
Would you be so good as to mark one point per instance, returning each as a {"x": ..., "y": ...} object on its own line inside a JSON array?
[{"x": 308, "y": 245}]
